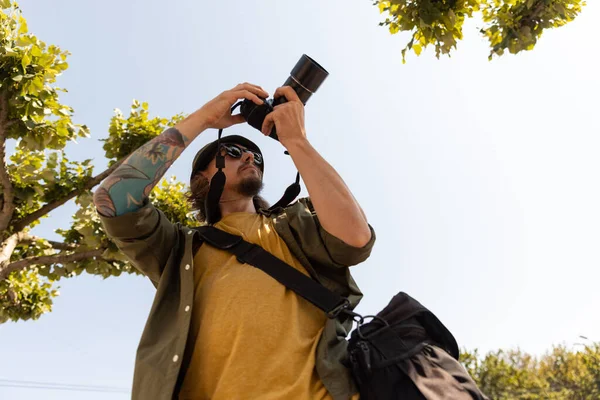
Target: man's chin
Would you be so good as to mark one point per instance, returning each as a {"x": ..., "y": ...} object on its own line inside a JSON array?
[{"x": 250, "y": 186}]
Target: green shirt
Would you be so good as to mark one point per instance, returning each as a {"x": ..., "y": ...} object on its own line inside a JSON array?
[{"x": 164, "y": 252}]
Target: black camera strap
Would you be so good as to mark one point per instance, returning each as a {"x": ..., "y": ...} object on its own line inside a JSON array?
[
  {"x": 249, "y": 253},
  {"x": 290, "y": 193}
]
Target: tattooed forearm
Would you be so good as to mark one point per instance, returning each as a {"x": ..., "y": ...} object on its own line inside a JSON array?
[{"x": 126, "y": 188}]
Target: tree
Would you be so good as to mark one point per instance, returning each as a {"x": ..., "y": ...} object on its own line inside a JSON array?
[
  {"x": 39, "y": 177},
  {"x": 515, "y": 25},
  {"x": 559, "y": 374}
]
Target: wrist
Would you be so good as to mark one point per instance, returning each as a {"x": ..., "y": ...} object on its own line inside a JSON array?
[
  {"x": 193, "y": 125},
  {"x": 296, "y": 144}
]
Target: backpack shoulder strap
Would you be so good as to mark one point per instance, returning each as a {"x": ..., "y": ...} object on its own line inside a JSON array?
[{"x": 249, "y": 253}]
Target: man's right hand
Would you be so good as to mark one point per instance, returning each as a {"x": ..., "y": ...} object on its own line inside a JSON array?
[{"x": 217, "y": 112}]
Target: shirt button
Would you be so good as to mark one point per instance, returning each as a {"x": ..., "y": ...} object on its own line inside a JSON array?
[
  {"x": 187, "y": 266},
  {"x": 175, "y": 358},
  {"x": 187, "y": 308}
]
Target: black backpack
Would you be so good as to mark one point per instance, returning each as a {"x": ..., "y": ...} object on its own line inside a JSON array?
[{"x": 404, "y": 352}]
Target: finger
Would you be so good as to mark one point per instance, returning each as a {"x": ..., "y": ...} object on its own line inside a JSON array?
[
  {"x": 246, "y": 85},
  {"x": 268, "y": 124},
  {"x": 257, "y": 90},
  {"x": 288, "y": 93},
  {"x": 245, "y": 94}
]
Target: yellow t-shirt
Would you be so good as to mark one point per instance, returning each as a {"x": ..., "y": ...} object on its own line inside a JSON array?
[{"x": 255, "y": 339}]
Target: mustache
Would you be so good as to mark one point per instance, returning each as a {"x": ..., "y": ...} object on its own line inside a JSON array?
[{"x": 249, "y": 165}]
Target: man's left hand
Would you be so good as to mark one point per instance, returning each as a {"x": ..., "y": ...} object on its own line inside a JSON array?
[{"x": 288, "y": 118}]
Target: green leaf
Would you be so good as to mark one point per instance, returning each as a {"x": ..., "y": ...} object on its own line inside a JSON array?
[
  {"x": 52, "y": 160},
  {"x": 36, "y": 51},
  {"x": 48, "y": 175},
  {"x": 560, "y": 9},
  {"x": 22, "y": 25},
  {"x": 25, "y": 40},
  {"x": 38, "y": 83},
  {"x": 4, "y": 3},
  {"x": 38, "y": 190},
  {"x": 417, "y": 49},
  {"x": 25, "y": 61},
  {"x": 452, "y": 17}
]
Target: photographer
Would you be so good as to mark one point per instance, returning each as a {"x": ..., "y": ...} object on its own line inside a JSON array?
[{"x": 220, "y": 329}]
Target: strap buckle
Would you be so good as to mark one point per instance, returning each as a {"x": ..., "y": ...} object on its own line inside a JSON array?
[
  {"x": 343, "y": 309},
  {"x": 339, "y": 309}
]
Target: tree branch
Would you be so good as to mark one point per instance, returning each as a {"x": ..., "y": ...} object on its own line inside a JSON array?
[
  {"x": 19, "y": 225},
  {"x": 8, "y": 247},
  {"x": 48, "y": 260},
  {"x": 8, "y": 206},
  {"x": 62, "y": 246},
  {"x": 55, "y": 245}
]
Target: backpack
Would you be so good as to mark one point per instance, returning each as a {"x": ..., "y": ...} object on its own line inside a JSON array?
[{"x": 404, "y": 352}]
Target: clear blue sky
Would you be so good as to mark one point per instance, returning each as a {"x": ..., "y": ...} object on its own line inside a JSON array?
[{"x": 480, "y": 178}]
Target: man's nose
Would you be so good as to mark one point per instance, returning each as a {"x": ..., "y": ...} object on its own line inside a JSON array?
[{"x": 247, "y": 156}]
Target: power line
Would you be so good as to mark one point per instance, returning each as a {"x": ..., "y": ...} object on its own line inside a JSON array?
[{"x": 60, "y": 386}]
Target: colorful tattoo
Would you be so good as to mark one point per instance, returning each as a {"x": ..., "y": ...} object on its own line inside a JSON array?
[{"x": 130, "y": 184}]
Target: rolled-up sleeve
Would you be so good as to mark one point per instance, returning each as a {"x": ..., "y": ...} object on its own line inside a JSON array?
[
  {"x": 318, "y": 244},
  {"x": 344, "y": 254},
  {"x": 145, "y": 236}
]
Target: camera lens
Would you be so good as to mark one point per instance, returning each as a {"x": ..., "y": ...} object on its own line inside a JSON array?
[{"x": 305, "y": 78}]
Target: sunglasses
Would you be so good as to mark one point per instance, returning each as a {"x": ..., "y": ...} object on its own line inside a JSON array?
[{"x": 236, "y": 151}]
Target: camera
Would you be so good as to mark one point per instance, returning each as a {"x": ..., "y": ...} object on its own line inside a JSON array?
[{"x": 305, "y": 78}]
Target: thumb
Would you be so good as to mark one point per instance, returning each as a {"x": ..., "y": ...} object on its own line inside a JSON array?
[
  {"x": 268, "y": 123},
  {"x": 237, "y": 119}
]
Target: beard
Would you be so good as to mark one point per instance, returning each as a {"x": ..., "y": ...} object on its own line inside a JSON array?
[{"x": 250, "y": 186}]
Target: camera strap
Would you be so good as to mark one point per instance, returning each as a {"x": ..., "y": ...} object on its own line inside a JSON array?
[{"x": 290, "y": 194}]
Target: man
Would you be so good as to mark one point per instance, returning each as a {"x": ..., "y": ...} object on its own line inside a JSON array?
[{"x": 219, "y": 329}]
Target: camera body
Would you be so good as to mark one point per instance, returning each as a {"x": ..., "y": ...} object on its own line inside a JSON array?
[{"x": 305, "y": 78}]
